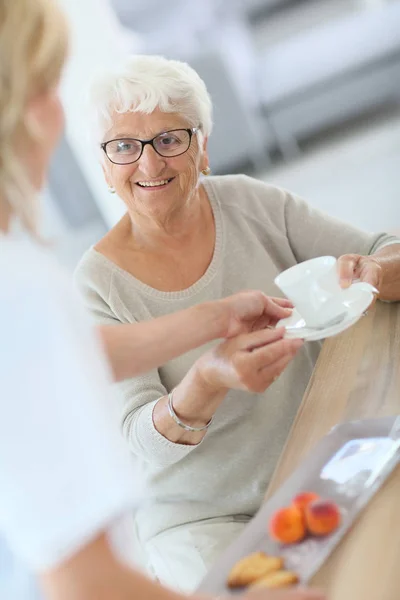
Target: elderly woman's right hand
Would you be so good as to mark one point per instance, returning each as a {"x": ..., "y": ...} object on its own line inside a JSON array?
[{"x": 249, "y": 362}]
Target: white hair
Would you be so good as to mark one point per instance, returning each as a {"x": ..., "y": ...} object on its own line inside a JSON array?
[{"x": 142, "y": 84}]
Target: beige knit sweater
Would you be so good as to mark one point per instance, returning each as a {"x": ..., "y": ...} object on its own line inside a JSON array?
[{"x": 260, "y": 230}]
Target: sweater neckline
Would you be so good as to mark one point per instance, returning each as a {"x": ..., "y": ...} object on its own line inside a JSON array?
[{"x": 204, "y": 279}]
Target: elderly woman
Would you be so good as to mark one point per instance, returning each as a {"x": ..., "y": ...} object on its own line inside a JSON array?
[{"x": 206, "y": 431}]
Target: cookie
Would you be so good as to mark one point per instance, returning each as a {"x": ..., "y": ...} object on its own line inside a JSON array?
[
  {"x": 278, "y": 579},
  {"x": 251, "y": 568}
]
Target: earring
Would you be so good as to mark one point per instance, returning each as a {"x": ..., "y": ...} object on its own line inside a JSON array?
[
  {"x": 206, "y": 171},
  {"x": 111, "y": 190}
]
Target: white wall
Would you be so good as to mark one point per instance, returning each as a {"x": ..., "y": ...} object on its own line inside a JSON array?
[{"x": 97, "y": 41}]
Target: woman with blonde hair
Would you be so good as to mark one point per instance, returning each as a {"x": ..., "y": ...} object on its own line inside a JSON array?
[{"x": 65, "y": 478}]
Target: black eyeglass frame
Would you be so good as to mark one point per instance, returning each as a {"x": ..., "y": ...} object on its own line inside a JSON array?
[{"x": 191, "y": 131}]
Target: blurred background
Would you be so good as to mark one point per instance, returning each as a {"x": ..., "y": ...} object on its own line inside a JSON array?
[{"x": 306, "y": 95}]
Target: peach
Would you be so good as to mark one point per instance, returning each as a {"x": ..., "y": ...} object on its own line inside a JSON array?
[
  {"x": 287, "y": 525},
  {"x": 303, "y": 499},
  {"x": 322, "y": 517}
]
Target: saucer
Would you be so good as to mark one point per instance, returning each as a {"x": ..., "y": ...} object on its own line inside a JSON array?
[{"x": 355, "y": 302}]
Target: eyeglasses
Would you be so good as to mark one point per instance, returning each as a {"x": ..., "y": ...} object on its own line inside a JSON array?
[{"x": 126, "y": 151}]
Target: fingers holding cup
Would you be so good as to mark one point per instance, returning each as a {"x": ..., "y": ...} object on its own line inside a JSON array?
[
  {"x": 366, "y": 269},
  {"x": 347, "y": 265}
]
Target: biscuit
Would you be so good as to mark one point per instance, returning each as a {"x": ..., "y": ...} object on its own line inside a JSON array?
[
  {"x": 251, "y": 568},
  {"x": 278, "y": 579}
]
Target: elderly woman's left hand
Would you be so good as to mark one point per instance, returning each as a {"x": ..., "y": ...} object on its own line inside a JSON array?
[{"x": 364, "y": 268}]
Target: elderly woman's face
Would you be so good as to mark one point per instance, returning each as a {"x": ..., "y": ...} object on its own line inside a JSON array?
[{"x": 154, "y": 185}]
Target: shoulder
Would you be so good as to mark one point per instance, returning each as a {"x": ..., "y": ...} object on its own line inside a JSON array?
[
  {"x": 96, "y": 268},
  {"x": 36, "y": 295},
  {"x": 252, "y": 198},
  {"x": 29, "y": 274},
  {"x": 94, "y": 271},
  {"x": 94, "y": 280},
  {"x": 234, "y": 189}
]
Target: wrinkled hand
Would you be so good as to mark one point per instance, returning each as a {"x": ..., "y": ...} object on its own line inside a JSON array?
[
  {"x": 253, "y": 310},
  {"x": 250, "y": 362},
  {"x": 298, "y": 594},
  {"x": 364, "y": 268}
]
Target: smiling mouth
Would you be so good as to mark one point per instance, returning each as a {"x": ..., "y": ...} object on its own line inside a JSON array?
[{"x": 161, "y": 183}]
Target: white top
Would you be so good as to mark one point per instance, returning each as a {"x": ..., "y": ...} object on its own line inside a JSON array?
[{"x": 64, "y": 471}]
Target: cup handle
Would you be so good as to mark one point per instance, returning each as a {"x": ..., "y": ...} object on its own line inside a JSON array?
[{"x": 363, "y": 285}]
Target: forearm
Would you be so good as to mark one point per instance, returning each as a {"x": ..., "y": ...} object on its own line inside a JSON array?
[
  {"x": 95, "y": 574},
  {"x": 194, "y": 403},
  {"x": 389, "y": 260},
  {"x": 140, "y": 347}
]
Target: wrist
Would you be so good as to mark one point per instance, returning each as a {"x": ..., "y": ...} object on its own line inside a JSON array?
[
  {"x": 206, "y": 375},
  {"x": 197, "y": 397},
  {"x": 215, "y": 317}
]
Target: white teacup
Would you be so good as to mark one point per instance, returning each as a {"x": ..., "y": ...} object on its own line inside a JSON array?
[{"x": 313, "y": 287}]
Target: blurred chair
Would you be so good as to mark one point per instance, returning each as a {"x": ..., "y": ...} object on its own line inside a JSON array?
[
  {"x": 331, "y": 73},
  {"x": 219, "y": 47},
  {"x": 240, "y": 134}
]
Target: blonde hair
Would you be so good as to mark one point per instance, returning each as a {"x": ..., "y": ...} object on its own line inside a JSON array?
[
  {"x": 33, "y": 47},
  {"x": 143, "y": 83}
]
